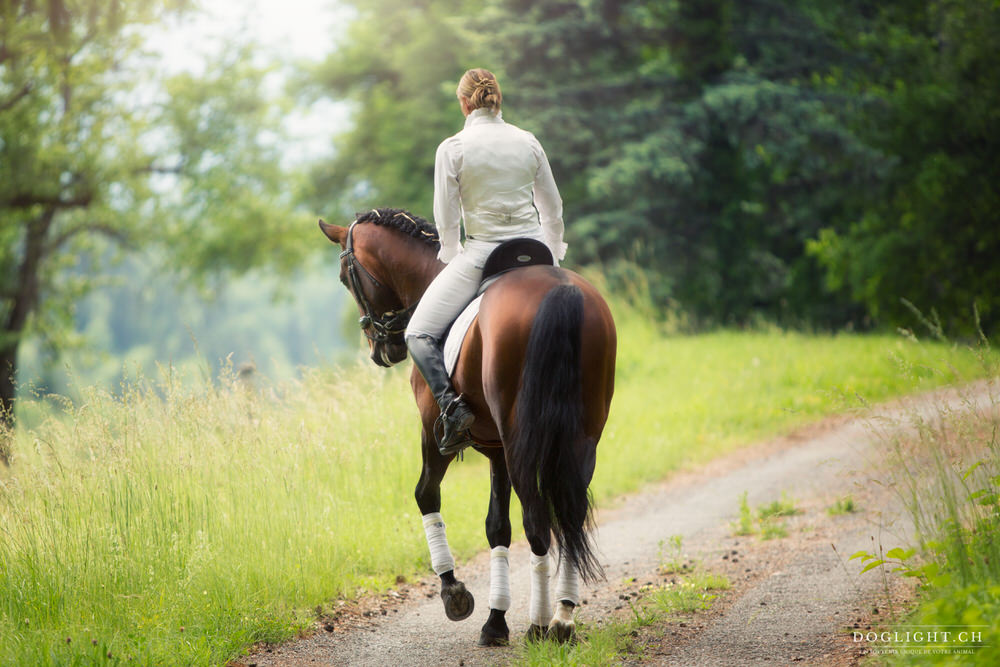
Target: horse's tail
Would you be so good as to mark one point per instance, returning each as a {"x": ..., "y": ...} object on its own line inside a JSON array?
[{"x": 548, "y": 441}]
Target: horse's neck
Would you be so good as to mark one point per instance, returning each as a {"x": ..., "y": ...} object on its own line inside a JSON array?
[
  {"x": 410, "y": 267},
  {"x": 410, "y": 285}
]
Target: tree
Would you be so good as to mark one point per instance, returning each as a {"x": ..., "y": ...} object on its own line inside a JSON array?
[
  {"x": 931, "y": 236},
  {"x": 399, "y": 66},
  {"x": 93, "y": 155},
  {"x": 805, "y": 161},
  {"x": 699, "y": 137}
]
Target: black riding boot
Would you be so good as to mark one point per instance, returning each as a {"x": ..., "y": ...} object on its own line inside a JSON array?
[{"x": 456, "y": 418}]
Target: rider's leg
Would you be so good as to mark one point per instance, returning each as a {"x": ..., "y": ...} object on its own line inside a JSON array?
[
  {"x": 455, "y": 414},
  {"x": 445, "y": 298}
]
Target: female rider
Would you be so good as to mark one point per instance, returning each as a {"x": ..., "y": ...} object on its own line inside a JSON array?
[{"x": 494, "y": 177}]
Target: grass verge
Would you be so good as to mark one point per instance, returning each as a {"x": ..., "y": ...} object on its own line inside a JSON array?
[{"x": 947, "y": 471}]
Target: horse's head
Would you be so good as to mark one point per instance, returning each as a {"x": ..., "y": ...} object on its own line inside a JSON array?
[{"x": 383, "y": 315}]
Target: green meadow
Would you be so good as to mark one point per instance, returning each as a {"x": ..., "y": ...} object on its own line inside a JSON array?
[{"x": 180, "y": 521}]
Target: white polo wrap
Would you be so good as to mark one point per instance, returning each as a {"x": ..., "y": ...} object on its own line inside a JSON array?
[
  {"x": 541, "y": 606},
  {"x": 567, "y": 582},
  {"x": 500, "y": 578},
  {"x": 437, "y": 542}
]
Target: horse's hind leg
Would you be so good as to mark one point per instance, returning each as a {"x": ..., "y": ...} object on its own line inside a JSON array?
[
  {"x": 458, "y": 601},
  {"x": 544, "y": 624},
  {"x": 562, "y": 628},
  {"x": 495, "y": 631},
  {"x": 538, "y": 531}
]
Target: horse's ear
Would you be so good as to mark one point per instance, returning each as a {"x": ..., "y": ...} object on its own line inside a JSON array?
[{"x": 334, "y": 233}]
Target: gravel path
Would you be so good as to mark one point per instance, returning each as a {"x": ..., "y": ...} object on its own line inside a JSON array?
[{"x": 791, "y": 601}]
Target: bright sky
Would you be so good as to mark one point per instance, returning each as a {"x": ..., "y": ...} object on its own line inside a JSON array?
[{"x": 295, "y": 30}]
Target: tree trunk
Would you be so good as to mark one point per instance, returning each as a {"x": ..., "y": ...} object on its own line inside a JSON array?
[
  {"x": 8, "y": 372},
  {"x": 24, "y": 302}
]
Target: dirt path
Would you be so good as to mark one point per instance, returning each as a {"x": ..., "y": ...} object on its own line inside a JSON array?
[{"x": 792, "y": 598}]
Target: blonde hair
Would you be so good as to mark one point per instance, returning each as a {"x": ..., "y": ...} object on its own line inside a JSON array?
[{"x": 481, "y": 88}]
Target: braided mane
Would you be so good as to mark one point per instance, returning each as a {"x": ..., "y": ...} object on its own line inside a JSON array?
[{"x": 404, "y": 221}]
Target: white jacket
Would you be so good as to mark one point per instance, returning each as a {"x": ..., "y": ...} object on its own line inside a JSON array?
[{"x": 496, "y": 177}]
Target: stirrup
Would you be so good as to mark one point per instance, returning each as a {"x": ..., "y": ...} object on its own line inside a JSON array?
[{"x": 453, "y": 436}]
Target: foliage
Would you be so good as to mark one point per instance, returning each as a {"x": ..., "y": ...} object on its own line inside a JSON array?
[
  {"x": 671, "y": 555},
  {"x": 771, "y": 529},
  {"x": 745, "y": 525},
  {"x": 227, "y": 201},
  {"x": 784, "y": 506},
  {"x": 845, "y": 505},
  {"x": 807, "y": 162},
  {"x": 947, "y": 473},
  {"x": 689, "y": 594},
  {"x": 399, "y": 66},
  {"x": 141, "y": 319},
  {"x": 95, "y": 154},
  {"x": 957, "y": 570},
  {"x": 930, "y": 235},
  {"x": 768, "y": 517},
  {"x": 713, "y": 157}
]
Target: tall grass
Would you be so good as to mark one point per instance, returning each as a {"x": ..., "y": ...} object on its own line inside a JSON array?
[
  {"x": 178, "y": 521},
  {"x": 946, "y": 468}
]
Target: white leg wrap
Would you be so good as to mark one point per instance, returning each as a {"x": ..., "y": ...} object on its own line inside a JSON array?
[
  {"x": 441, "y": 559},
  {"x": 500, "y": 579},
  {"x": 567, "y": 582},
  {"x": 541, "y": 607}
]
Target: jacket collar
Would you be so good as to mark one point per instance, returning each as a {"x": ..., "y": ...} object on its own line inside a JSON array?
[{"x": 482, "y": 116}]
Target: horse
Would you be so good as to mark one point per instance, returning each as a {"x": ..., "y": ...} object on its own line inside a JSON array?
[{"x": 537, "y": 368}]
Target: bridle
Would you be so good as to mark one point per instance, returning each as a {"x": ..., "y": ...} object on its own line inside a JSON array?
[{"x": 377, "y": 328}]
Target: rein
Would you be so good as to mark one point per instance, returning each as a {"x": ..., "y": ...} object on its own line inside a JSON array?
[{"x": 377, "y": 328}]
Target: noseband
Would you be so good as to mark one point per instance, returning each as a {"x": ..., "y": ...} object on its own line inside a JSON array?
[{"x": 377, "y": 328}]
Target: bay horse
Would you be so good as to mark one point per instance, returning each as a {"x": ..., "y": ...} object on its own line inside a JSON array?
[{"x": 537, "y": 368}]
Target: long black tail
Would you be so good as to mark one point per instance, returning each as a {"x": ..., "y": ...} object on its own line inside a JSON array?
[{"x": 548, "y": 441}]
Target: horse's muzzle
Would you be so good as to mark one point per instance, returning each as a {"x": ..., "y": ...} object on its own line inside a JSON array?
[{"x": 388, "y": 354}]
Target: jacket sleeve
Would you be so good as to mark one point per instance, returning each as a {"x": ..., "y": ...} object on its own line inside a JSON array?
[
  {"x": 447, "y": 202},
  {"x": 549, "y": 204}
]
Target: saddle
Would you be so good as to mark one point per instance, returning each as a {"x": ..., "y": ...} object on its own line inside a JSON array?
[
  {"x": 509, "y": 255},
  {"x": 515, "y": 254}
]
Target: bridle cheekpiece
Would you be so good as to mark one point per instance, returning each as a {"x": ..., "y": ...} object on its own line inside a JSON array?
[{"x": 377, "y": 328}]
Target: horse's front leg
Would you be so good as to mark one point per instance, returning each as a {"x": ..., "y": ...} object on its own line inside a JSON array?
[
  {"x": 495, "y": 631},
  {"x": 458, "y": 601}
]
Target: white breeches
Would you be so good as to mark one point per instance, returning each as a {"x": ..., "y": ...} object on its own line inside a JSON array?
[{"x": 452, "y": 290}]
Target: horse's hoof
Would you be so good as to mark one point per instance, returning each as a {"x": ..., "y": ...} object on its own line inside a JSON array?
[
  {"x": 458, "y": 602},
  {"x": 561, "y": 632},
  {"x": 495, "y": 631},
  {"x": 490, "y": 637},
  {"x": 535, "y": 633}
]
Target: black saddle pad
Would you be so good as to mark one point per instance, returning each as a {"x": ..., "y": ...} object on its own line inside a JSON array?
[{"x": 515, "y": 254}]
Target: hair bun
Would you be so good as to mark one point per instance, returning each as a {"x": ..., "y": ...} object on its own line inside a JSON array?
[{"x": 481, "y": 88}]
